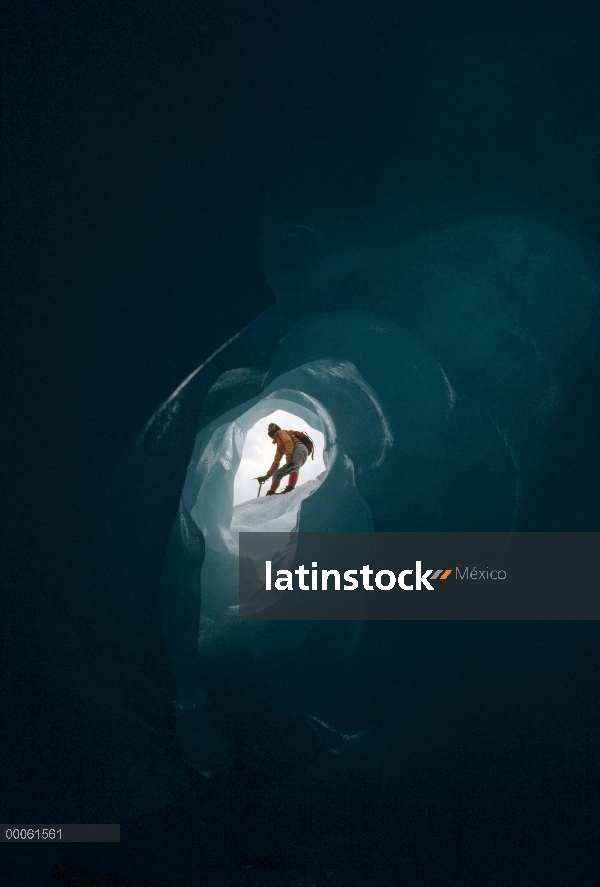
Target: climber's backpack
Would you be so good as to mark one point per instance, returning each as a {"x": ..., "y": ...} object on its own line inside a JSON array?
[{"x": 307, "y": 441}]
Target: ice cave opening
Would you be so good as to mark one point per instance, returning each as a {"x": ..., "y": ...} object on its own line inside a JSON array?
[
  {"x": 258, "y": 453},
  {"x": 327, "y": 398},
  {"x": 220, "y": 492},
  {"x": 240, "y": 451}
]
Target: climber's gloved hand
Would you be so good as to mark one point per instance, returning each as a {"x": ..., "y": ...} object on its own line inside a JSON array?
[{"x": 262, "y": 479}]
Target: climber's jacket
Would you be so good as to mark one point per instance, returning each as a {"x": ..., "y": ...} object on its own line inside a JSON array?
[{"x": 286, "y": 441}]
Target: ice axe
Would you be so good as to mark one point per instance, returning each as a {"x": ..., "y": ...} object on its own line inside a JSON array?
[{"x": 260, "y": 483}]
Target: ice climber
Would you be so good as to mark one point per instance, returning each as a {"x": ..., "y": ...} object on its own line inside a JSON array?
[{"x": 294, "y": 445}]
